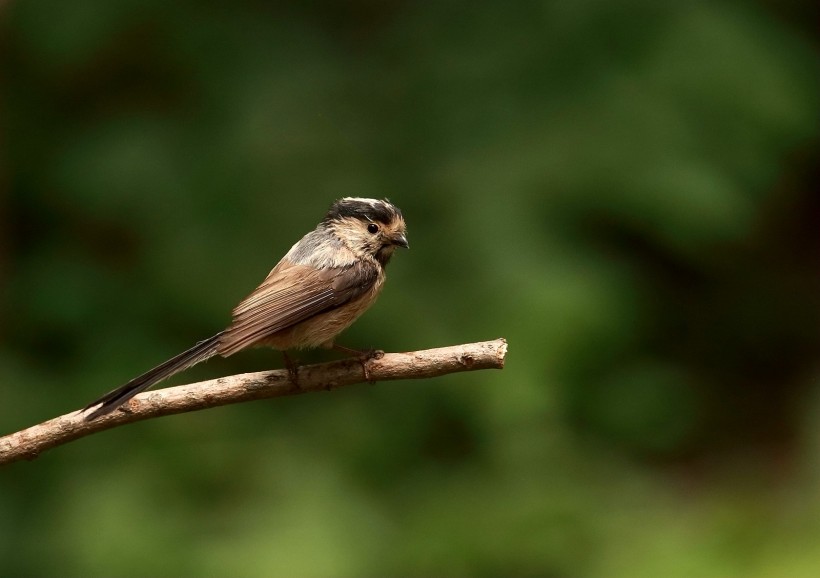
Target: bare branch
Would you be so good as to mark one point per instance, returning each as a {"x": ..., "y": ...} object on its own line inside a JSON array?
[{"x": 31, "y": 442}]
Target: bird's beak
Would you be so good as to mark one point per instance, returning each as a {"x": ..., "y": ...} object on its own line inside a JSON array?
[{"x": 401, "y": 241}]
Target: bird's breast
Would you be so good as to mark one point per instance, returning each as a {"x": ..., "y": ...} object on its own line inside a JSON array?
[{"x": 321, "y": 330}]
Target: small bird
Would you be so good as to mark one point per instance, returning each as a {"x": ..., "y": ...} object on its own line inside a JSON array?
[{"x": 318, "y": 289}]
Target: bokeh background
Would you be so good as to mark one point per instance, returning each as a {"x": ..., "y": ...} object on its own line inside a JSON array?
[{"x": 625, "y": 190}]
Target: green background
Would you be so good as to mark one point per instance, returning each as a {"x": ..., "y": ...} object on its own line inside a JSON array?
[{"x": 625, "y": 190}]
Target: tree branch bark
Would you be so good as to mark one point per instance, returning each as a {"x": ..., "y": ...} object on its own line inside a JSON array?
[{"x": 31, "y": 442}]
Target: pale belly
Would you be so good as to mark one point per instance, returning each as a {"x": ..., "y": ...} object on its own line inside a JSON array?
[{"x": 321, "y": 330}]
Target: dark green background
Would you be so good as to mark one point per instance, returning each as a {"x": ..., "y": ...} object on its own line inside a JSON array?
[{"x": 625, "y": 190}]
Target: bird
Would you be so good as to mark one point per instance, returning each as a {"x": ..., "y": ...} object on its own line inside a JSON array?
[{"x": 317, "y": 290}]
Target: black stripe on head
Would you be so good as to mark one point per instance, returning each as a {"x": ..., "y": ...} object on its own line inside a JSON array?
[{"x": 364, "y": 209}]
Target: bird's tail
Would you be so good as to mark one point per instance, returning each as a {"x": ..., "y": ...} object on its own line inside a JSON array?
[{"x": 113, "y": 399}]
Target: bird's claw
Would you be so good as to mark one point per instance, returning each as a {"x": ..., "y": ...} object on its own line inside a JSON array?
[
  {"x": 363, "y": 356},
  {"x": 366, "y": 356},
  {"x": 293, "y": 370}
]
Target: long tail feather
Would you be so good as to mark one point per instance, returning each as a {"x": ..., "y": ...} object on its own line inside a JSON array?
[{"x": 113, "y": 399}]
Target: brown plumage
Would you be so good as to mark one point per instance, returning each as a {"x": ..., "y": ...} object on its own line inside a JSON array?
[{"x": 318, "y": 289}]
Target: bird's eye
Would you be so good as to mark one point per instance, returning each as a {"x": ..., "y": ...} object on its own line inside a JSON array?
[{"x": 372, "y": 228}]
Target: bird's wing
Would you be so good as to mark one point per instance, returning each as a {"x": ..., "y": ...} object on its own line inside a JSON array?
[{"x": 291, "y": 294}]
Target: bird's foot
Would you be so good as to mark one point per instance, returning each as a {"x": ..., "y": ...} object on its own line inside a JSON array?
[
  {"x": 363, "y": 356},
  {"x": 293, "y": 370}
]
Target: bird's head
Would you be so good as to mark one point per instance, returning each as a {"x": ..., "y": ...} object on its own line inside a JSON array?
[{"x": 369, "y": 227}]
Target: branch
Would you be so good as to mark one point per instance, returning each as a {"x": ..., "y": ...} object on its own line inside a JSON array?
[{"x": 29, "y": 443}]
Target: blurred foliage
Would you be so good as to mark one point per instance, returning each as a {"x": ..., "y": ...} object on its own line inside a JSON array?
[{"x": 625, "y": 190}]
